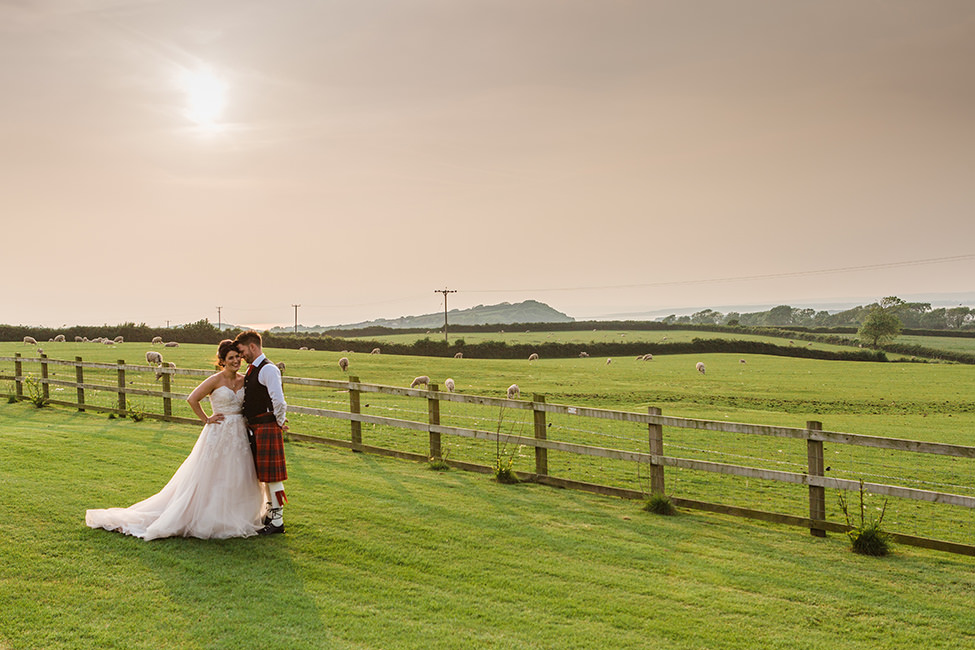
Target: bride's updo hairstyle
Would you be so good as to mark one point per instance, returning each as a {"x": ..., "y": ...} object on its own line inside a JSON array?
[{"x": 226, "y": 346}]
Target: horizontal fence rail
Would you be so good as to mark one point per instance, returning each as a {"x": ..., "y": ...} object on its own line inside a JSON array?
[{"x": 651, "y": 457}]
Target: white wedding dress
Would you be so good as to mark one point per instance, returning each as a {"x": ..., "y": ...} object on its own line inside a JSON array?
[{"x": 213, "y": 494}]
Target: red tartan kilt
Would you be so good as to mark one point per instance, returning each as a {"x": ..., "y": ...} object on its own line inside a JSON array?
[{"x": 269, "y": 452}]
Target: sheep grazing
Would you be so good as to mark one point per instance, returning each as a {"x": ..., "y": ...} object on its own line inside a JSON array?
[
  {"x": 375, "y": 351},
  {"x": 422, "y": 379},
  {"x": 533, "y": 357},
  {"x": 609, "y": 361},
  {"x": 459, "y": 355},
  {"x": 583, "y": 355},
  {"x": 700, "y": 367},
  {"x": 172, "y": 344},
  {"x": 157, "y": 340},
  {"x": 646, "y": 357},
  {"x": 59, "y": 338},
  {"x": 448, "y": 383},
  {"x": 281, "y": 366},
  {"x": 514, "y": 391},
  {"x": 164, "y": 364},
  {"x": 79, "y": 339},
  {"x": 344, "y": 363},
  {"x": 108, "y": 342},
  {"x": 30, "y": 340},
  {"x": 153, "y": 358},
  {"x": 303, "y": 348},
  {"x": 119, "y": 339}
]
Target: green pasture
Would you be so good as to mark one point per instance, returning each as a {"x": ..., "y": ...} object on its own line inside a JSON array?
[
  {"x": 386, "y": 554},
  {"x": 522, "y": 337},
  {"x": 930, "y": 402}
]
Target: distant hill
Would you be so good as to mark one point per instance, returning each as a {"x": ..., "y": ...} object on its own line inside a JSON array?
[{"x": 529, "y": 311}]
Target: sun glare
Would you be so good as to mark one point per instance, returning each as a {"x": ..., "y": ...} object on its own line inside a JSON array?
[{"x": 206, "y": 97}]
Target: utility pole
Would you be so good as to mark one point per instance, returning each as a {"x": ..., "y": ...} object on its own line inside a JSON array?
[
  {"x": 296, "y": 317},
  {"x": 445, "y": 291},
  {"x": 219, "y": 320}
]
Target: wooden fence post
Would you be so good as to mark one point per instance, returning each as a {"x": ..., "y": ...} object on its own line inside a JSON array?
[
  {"x": 541, "y": 453},
  {"x": 18, "y": 376},
  {"x": 45, "y": 389},
  {"x": 433, "y": 410},
  {"x": 656, "y": 437},
  {"x": 167, "y": 401},
  {"x": 121, "y": 387},
  {"x": 355, "y": 408},
  {"x": 79, "y": 377},
  {"x": 817, "y": 494}
]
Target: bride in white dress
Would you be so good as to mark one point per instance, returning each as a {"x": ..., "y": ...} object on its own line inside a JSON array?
[{"x": 215, "y": 492}]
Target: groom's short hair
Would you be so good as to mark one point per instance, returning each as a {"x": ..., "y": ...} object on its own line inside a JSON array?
[{"x": 248, "y": 337}]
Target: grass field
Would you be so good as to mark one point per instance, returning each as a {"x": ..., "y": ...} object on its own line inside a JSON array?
[
  {"x": 929, "y": 402},
  {"x": 386, "y": 554}
]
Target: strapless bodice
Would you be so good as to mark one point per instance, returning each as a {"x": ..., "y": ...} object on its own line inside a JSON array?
[{"x": 226, "y": 402}]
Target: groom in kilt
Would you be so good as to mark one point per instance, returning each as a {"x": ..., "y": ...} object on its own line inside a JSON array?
[{"x": 265, "y": 410}]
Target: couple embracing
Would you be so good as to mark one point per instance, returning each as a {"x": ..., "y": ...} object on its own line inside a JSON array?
[{"x": 232, "y": 483}]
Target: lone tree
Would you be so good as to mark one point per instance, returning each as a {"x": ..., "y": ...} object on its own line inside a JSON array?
[{"x": 882, "y": 324}]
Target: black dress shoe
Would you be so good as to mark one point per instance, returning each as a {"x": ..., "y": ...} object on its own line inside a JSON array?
[{"x": 271, "y": 529}]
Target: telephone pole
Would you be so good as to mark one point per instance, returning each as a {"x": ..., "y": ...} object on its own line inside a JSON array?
[
  {"x": 219, "y": 320},
  {"x": 296, "y": 317},
  {"x": 445, "y": 291}
]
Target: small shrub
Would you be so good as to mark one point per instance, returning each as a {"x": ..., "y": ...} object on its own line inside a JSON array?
[
  {"x": 136, "y": 412},
  {"x": 35, "y": 392},
  {"x": 867, "y": 537},
  {"x": 503, "y": 473},
  {"x": 12, "y": 399},
  {"x": 439, "y": 464},
  {"x": 660, "y": 504}
]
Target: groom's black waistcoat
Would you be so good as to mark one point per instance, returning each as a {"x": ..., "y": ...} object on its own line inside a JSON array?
[{"x": 257, "y": 401}]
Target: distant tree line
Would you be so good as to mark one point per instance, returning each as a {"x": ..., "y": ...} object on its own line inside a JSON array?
[{"x": 913, "y": 315}]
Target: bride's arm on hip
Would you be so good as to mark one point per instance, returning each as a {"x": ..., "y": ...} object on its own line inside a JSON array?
[{"x": 198, "y": 394}]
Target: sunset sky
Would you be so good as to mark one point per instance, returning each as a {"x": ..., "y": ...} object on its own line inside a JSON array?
[{"x": 161, "y": 159}]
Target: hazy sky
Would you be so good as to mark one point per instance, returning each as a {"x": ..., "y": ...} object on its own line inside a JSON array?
[{"x": 161, "y": 159}]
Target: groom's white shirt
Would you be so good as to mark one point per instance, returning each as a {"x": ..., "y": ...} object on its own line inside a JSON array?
[{"x": 270, "y": 378}]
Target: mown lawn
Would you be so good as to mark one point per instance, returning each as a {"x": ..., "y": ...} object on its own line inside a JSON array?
[{"x": 382, "y": 553}]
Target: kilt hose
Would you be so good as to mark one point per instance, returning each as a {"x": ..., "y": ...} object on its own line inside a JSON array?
[{"x": 268, "y": 447}]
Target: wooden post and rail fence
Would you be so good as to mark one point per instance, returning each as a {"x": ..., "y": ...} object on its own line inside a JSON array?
[{"x": 654, "y": 457}]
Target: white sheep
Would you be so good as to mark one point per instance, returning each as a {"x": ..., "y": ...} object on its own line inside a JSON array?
[
  {"x": 422, "y": 379},
  {"x": 583, "y": 355},
  {"x": 448, "y": 383},
  {"x": 459, "y": 355},
  {"x": 514, "y": 391},
  {"x": 172, "y": 344},
  {"x": 164, "y": 364},
  {"x": 119, "y": 339},
  {"x": 80, "y": 339},
  {"x": 303, "y": 348},
  {"x": 59, "y": 338},
  {"x": 609, "y": 361},
  {"x": 108, "y": 342},
  {"x": 153, "y": 358},
  {"x": 157, "y": 340},
  {"x": 30, "y": 340},
  {"x": 533, "y": 357},
  {"x": 700, "y": 367},
  {"x": 375, "y": 351},
  {"x": 344, "y": 363},
  {"x": 647, "y": 357}
]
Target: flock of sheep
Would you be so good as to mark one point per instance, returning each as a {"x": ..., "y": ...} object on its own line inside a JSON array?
[{"x": 154, "y": 358}]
